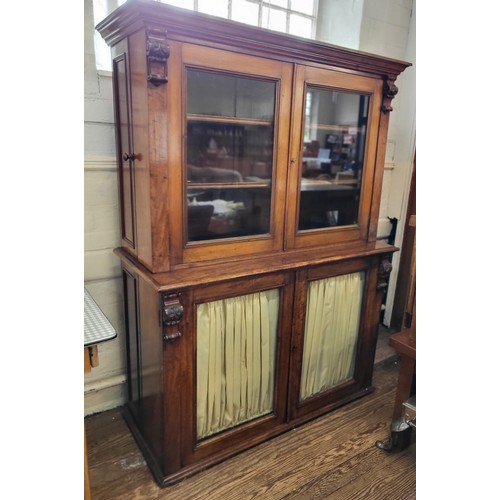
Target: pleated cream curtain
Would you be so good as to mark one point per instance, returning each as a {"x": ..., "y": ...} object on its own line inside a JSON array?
[
  {"x": 236, "y": 357},
  {"x": 331, "y": 332}
]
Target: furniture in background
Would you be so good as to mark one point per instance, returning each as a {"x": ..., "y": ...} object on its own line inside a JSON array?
[
  {"x": 405, "y": 343},
  {"x": 260, "y": 312},
  {"x": 402, "y": 309},
  {"x": 97, "y": 329}
]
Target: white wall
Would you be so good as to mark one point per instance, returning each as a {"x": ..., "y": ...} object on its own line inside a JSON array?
[
  {"x": 105, "y": 384},
  {"x": 384, "y": 27},
  {"x": 339, "y": 22},
  {"x": 389, "y": 29}
]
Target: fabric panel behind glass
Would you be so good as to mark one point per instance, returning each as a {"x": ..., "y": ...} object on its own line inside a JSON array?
[
  {"x": 331, "y": 332},
  {"x": 236, "y": 358}
]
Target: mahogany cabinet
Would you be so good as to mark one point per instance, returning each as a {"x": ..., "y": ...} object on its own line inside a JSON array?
[{"x": 250, "y": 166}]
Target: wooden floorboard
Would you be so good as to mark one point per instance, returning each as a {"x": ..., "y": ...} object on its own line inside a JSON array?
[{"x": 332, "y": 457}]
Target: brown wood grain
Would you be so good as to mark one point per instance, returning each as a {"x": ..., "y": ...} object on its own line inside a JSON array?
[
  {"x": 160, "y": 260},
  {"x": 407, "y": 265},
  {"x": 153, "y": 124},
  {"x": 184, "y": 277},
  {"x": 333, "y": 456},
  {"x": 124, "y": 144},
  {"x": 182, "y": 25},
  {"x": 86, "y": 474}
]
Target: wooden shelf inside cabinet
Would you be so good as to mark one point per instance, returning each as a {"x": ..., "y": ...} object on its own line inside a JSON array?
[
  {"x": 325, "y": 184},
  {"x": 338, "y": 128},
  {"x": 227, "y": 185},
  {"x": 230, "y": 120}
]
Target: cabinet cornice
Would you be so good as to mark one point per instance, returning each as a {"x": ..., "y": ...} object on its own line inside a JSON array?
[{"x": 183, "y": 24}]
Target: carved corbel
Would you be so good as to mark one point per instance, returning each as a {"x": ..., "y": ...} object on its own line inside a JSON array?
[
  {"x": 157, "y": 53},
  {"x": 389, "y": 92},
  {"x": 172, "y": 313},
  {"x": 384, "y": 269}
]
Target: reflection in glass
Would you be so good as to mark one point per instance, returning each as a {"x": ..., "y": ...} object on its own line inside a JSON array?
[
  {"x": 230, "y": 138},
  {"x": 332, "y": 158}
]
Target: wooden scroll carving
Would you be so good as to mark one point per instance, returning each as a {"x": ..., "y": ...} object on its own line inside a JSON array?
[
  {"x": 157, "y": 53},
  {"x": 384, "y": 269},
  {"x": 389, "y": 92},
  {"x": 172, "y": 313}
]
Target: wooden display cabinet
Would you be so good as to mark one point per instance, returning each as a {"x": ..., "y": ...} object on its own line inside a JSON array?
[{"x": 250, "y": 167}]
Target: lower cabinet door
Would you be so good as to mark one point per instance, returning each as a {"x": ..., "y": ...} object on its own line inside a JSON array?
[
  {"x": 240, "y": 353},
  {"x": 333, "y": 337}
]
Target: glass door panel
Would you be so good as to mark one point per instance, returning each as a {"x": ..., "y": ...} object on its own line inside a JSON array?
[
  {"x": 331, "y": 332},
  {"x": 332, "y": 158},
  {"x": 334, "y": 161},
  {"x": 236, "y": 360},
  {"x": 230, "y": 155}
]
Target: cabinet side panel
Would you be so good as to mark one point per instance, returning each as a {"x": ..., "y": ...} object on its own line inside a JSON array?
[
  {"x": 140, "y": 134},
  {"x": 121, "y": 90},
  {"x": 151, "y": 389},
  {"x": 133, "y": 341}
]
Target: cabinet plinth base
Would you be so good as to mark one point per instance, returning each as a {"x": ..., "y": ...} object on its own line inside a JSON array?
[{"x": 169, "y": 479}]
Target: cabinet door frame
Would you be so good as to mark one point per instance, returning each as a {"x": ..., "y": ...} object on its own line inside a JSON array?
[
  {"x": 183, "y": 56},
  {"x": 329, "y": 399},
  {"x": 244, "y": 435},
  {"x": 329, "y": 79},
  {"x": 124, "y": 139}
]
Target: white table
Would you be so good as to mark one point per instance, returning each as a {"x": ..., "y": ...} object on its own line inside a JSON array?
[{"x": 97, "y": 329}]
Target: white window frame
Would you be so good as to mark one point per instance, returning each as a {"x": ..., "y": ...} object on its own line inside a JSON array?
[{"x": 102, "y": 49}]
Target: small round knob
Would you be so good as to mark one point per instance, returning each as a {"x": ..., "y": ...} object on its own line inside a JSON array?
[{"x": 127, "y": 156}]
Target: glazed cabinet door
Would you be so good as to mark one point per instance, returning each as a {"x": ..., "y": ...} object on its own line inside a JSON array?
[
  {"x": 334, "y": 335},
  {"x": 228, "y": 176},
  {"x": 333, "y": 157},
  {"x": 239, "y": 345}
]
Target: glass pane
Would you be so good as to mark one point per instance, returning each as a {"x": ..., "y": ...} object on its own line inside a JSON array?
[
  {"x": 300, "y": 26},
  {"x": 274, "y": 19},
  {"x": 280, "y": 3},
  {"x": 331, "y": 332},
  {"x": 332, "y": 158},
  {"x": 217, "y": 94},
  {"x": 186, "y": 4},
  {"x": 213, "y": 7},
  {"x": 230, "y": 138},
  {"x": 236, "y": 360},
  {"x": 245, "y": 12},
  {"x": 305, "y": 6}
]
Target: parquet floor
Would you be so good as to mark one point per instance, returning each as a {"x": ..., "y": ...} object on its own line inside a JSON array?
[{"x": 332, "y": 457}]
